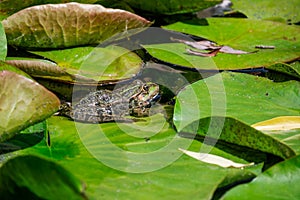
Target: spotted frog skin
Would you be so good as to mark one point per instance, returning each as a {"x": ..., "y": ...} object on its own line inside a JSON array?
[{"x": 134, "y": 99}]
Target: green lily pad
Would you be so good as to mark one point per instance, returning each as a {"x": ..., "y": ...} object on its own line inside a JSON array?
[
  {"x": 266, "y": 9},
  {"x": 234, "y": 132},
  {"x": 89, "y": 64},
  {"x": 168, "y": 8},
  {"x": 35, "y": 177},
  {"x": 3, "y": 43},
  {"x": 103, "y": 180},
  {"x": 240, "y": 34},
  {"x": 67, "y": 25},
  {"x": 247, "y": 98},
  {"x": 278, "y": 182},
  {"x": 23, "y": 103},
  {"x": 289, "y": 69}
]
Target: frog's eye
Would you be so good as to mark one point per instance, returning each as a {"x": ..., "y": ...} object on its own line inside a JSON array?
[{"x": 145, "y": 87}]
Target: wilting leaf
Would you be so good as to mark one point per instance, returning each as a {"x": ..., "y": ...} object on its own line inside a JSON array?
[
  {"x": 278, "y": 182},
  {"x": 213, "y": 159},
  {"x": 266, "y": 9},
  {"x": 240, "y": 34},
  {"x": 46, "y": 69},
  {"x": 7, "y": 67},
  {"x": 23, "y": 102},
  {"x": 66, "y": 25},
  {"x": 34, "y": 177},
  {"x": 279, "y": 123},
  {"x": 3, "y": 43}
]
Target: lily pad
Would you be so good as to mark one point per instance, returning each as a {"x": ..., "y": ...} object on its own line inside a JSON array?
[
  {"x": 49, "y": 179},
  {"x": 247, "y": 98},
  {"x": 266, "y": 9},
  {"x": 7, "y": 67},
  {"x": 166, "y": 7},
  {"x": 278, "y": 182},
  {"x": 103, "y": 180},
  {"x": 240, "y": 34},
  {"x": 3, "y": 43},
  {"x": 9, "y": 7},
  {"x": 89, "y": 64},
  {"x": 67, "y": 25},
  {"x": 23, "y": 103},
  {"x": 289, "y": 69}
]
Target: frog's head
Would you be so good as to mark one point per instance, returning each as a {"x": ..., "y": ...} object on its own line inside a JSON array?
[{"x": 142, "y": 102}]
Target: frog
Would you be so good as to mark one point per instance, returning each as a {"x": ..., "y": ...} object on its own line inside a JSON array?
[{"x": 134, "y": 99}]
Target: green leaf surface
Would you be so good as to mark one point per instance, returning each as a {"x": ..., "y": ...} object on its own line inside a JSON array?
[
  {"x": 69, "y": 147},
  {"x": 35, "y": 177},
  {"x": 266, "y": 9},
  {"x": 67, "y": 25},
  {"x": 289, "y": 69},
  {"x": 171, "y": 7},
  {"x": 278, "y": 182},
  {"x": 247, "y": 98},
  {"x": 23, "y": 102},
  {"x": 234, "y": 132},
  {"x": 240, "y": 34},
  {"x": 89, "y": 64},
  {"x": 3, "y": 43}
]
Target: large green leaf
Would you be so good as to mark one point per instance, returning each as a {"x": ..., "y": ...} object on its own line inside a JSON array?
[
  {"x": 34, "y": 177},
  {"x": 66, "y": 25},
  {"x": 266, "y": 9},
  {"x": 88, "y": 64},
  {"x": 169, "y": 7},
  {"x": 235, "y": 132},
  {"x": 3, "y": 43},
  {"x": 172, "y": 181},
  {"x": 23, "y": 103},
  {"x": 241, "y": 34},
  {"x": 279, "y": 182},
  {"x": 247, "y": 98}
]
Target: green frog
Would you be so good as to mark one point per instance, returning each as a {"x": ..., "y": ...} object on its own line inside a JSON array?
[{"x": 134, "y": 99}]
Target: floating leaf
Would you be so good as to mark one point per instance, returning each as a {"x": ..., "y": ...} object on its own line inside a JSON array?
[
  {"x": 89, "y": 64},
  {"x": 289, "y": 69},
  {"x": 69, "y": 148},
  {"x": 278, "y": 182},
  {"x": 167, "y": 7},
  {"x": 7, "y": 67},
  {"x": 3, "y": 43},
  {"x": 266, "y": 9},
  {"x": 34, "y": 177},
  {"x": 213, "y": 159},
  {"x": 66, "y": 25},
  {"x": 247, "y": 98},
  {"x": 241, "y": 34},
  {"x": 23, "y": 103}
]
